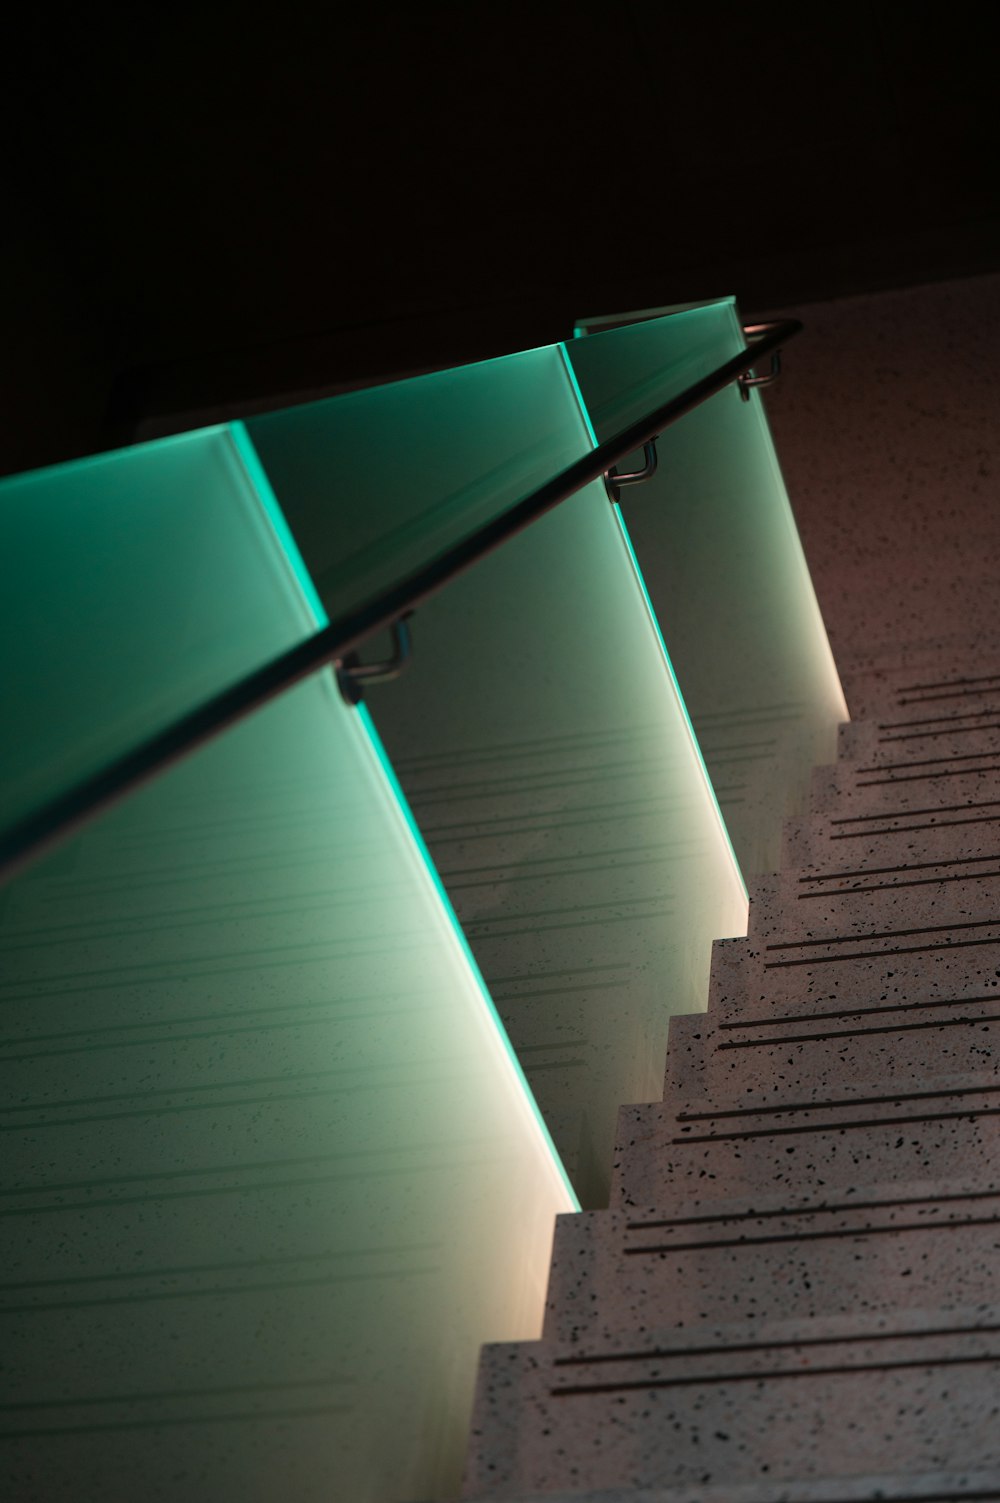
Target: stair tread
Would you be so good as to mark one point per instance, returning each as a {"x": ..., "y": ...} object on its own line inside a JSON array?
[{"x": 818, "y": 1193}]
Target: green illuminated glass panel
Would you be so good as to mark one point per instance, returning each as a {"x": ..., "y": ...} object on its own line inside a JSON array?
[
  {"x": 378, "y": 482},
  {"x": 271, "y": 1172},
  {"x": 716, "y": 538},
  {"x": 134, "y": 586},
  {"x": 132, "y": 582},
  {"x": 547, "y": 757}
]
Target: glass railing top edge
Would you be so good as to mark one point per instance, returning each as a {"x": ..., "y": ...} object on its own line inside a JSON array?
[{"x": 348, "y": 630}]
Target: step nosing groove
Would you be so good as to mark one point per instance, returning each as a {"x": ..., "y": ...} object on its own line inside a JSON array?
[
  {"x": 700, "y": 1380},
  {"x": 956, "y": 1493},
  {"x": 942, "y": 948},
  {"x": 865, "y": 781},
  {"x": 895, "y": 1098},
  {"x": 797, "y": 1019},
  {"x": 850, "y": 892},
  {"x": 947, "y": 726},
  {"x": 800, "y": 1128},
  {"x": 932, "y": 824},
  {"x": 838, "y": 1208},
  {"x": 782, "y": 1344},
  {"x": 953, "y": 719},
  {"x": 852, "y": 819},
  {"x": 912, "y": 762},
  {"x": 848, "y": 1033},
  {"x": 848, "y": 939},
  {"x": 802, "y": 1238},
  {"x": 911, "y": 866},
  {"x": 954, "y": 730},
  {"x": 927, "y": 699},
  {"x": 961, "y": 682}
]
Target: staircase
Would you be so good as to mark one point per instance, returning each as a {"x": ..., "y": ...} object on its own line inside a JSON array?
[
  {"x": 794, "y": 1293},
  {"x": 307, "y": 1042}
]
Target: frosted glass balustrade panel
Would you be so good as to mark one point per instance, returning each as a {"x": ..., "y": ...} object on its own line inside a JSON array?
[
  {"x": 131, "y": 581},
  {"x": 130, "y": 589},
  {"x": 379, "y": 482},
  {"x": 271, "y": 1172},
  {"x": 548, "y": 761},
  {"x": 716, "y": 539},
  {"x": 271, "y": 1175}
]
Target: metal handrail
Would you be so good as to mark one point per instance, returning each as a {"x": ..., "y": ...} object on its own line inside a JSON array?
[
  {"x": 746, "y": 383},
  {"x": 69, "y": 811}
]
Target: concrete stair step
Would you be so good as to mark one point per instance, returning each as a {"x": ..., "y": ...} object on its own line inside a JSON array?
[
  {"x": 790, "y": 1106},
  {"x": 914, "y": 737},
  {"x": 796, "y": 905},
  {"x": 887, "y": 1049},
  {"x": 802, "y": 1154},
  {"x": 796, "y": 1291},
  {"x": 749, "y": 995},
  {"x": 932, "y": 681},
  {"x": 856, "y": 791},
  {"x": 903, "y": 962},
  {"x": 614, "y": 1272},
  {"x": 927, "y": 1487},
  {"x": 825, "y": 843},
  {"x": 844, "y": 1396}
]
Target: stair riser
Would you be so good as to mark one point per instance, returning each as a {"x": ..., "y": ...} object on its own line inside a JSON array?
[
  {"x": 912, "y": 737},
  {"x": 653, "y": 1165},
  {"x": 909, "y": 1418},
  {"x": 982, "y": 1485},
  {"x": 821, "y": 845},
  {"x": 608, "y": 1280},
  {"x": 935, "y": 681},
  {"x": 851, "y": 794},
  {"x": 752, "y": 1067},
  {"x": 826, "y": 1157},
  {"x": 942, "y": 967},
  {"x": 792, "y": 910}
]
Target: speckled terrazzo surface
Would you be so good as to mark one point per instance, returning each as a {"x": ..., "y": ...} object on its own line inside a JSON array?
[
  {"x": 798, "y": 1281},
  {"x": 796, "y": 1293},
  {"x": 886, "y": 427}
]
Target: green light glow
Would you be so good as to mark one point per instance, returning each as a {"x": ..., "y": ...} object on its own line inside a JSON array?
[
  {"x": 379, "y": 482},
  {"x": 682, "y": 707},
  {"x": 578, "y": 395},
  {"x": 290, "y": 551},
  {"x": 542, "y": 745},
  {"x": 714, "y": 534},
  {"x": 288, "y": 547},
  {"x": 131, "y": 583},
  {"x": 399, "y": 798},
  {"x": 266, "y": 1111},
  {"x": 276, "y": 1135},
  {"x": 256, "y": 1011},
  {"x": 654, "y": 623}
]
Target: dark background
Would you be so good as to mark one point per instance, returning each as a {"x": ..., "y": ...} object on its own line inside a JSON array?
[{"x": 230, "y": 206}]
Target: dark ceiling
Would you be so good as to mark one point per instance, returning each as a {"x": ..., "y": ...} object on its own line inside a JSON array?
[{"x": 226, "y": 206}]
